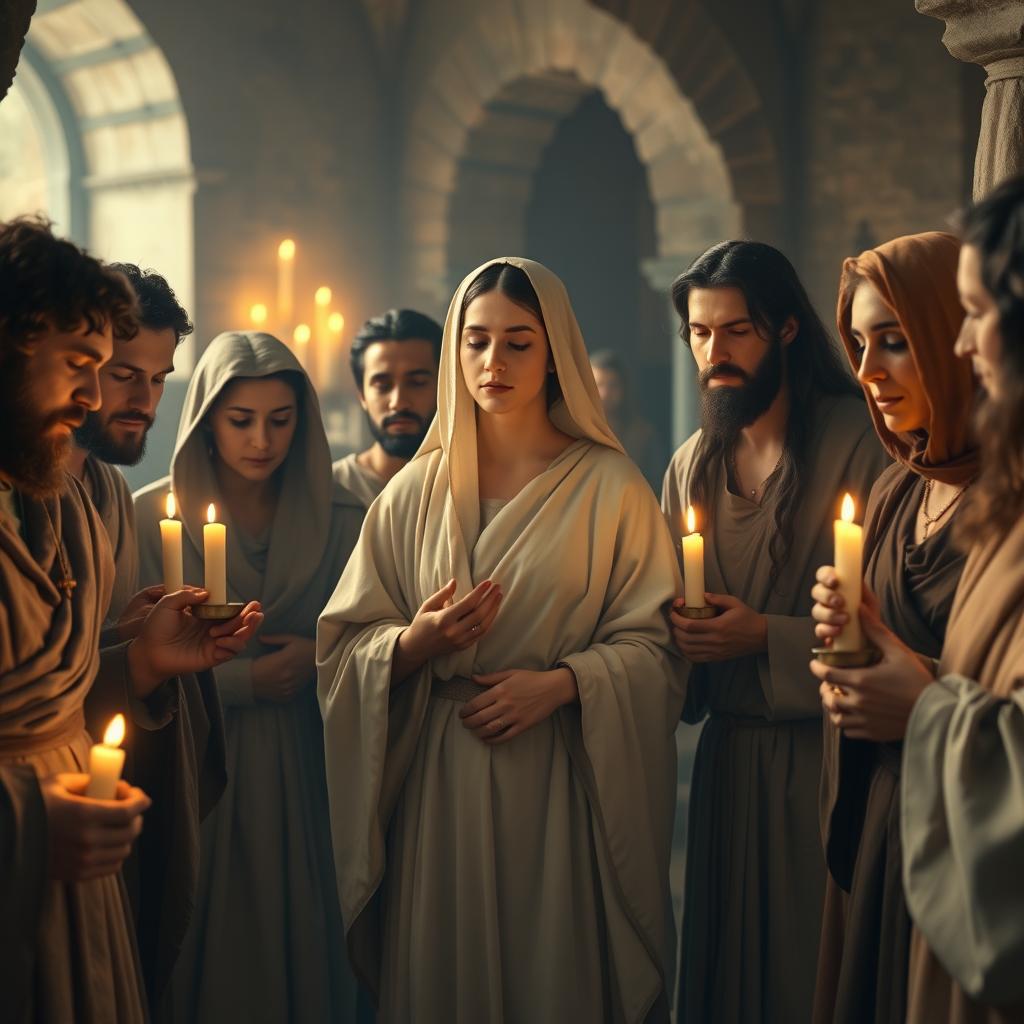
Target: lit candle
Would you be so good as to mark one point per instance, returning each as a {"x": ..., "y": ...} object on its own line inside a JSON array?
[
  {"x": 330, "y": 364},
  {"x": 106, "y": 760},
  {"x": 300, "y": 344},
  {"x": 170, "y": 540},
  {"x": 285, "y": 284},
  {"x": 849, "y": 570},
  {"x": 693, "y": 563},
  {"x": 215, "y": 557},
  {"x": 258, "y": 315},
  {"x": 320, "y": 368}
]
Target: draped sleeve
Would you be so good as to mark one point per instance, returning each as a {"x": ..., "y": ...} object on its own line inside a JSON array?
[{"x": 963, "y": 838}]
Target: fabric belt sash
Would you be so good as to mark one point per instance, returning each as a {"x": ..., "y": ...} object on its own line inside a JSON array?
[
  {"x": 458, "y": 688},
  {"x": 12, "y": 747}
]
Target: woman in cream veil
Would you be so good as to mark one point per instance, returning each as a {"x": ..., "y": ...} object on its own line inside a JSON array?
[{"x": 499, "y": 693}]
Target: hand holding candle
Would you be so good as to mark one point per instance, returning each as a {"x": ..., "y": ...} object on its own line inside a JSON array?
[
  {"x": 106, "y": 760},
  {"x": 693, "y": 563},
  {"x": 215, "y": 557},
  {"x": 849, "y": 571},
  {"x": 170, "y": 539}
]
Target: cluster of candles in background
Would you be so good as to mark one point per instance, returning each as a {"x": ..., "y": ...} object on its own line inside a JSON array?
[
  {"x": 317, "y": 346},
  {"x": 849, "y": 552}
]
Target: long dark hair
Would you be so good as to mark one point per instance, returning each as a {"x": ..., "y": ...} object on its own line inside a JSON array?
[
  {"x": 813, "y": 369},
  {"x": 995, "y": 227},
  {"x": 514, "y": 283}
]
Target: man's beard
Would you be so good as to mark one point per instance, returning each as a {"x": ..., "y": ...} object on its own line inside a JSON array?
[
  {"x": 32, "y": 459},
  {"x": 727, "y": 409},
  {"x": 93, "y": 436},
  {"x": 399, "y": 446}
]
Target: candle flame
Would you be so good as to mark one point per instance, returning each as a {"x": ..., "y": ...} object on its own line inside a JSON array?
[
  {"x": 848, "y": 509},
  {"x": 322, "y": 296},
  {"x": 169, "y": 505},
  {"x": 691, "y": 520},
  {"x": 302, "y": 334},
  {"x": 211, "y": 513},
  {"x": 258, "y": 313},
  {"x": 286, "y": 250},
  {"x": 114, "y": 736},
  {"x": 336, "y": 322}
]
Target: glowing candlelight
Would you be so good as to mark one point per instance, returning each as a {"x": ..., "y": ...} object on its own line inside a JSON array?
[
  {"x": 170, "y": 541},
  {"x": 693, "y": 563},
  {"x": 848, "y": 558},
  {"x": 215, "y": 557},
  {"x": 258, "y": 314},
  {"x": 285, "y": 284},
  {"x": 106, "y": 761}
]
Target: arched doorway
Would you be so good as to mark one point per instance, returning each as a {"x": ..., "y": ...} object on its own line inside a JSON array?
[{"x": 484, "y": 119}]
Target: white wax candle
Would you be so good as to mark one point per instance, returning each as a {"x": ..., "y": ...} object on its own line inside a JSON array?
[
  {"x": 106, "y": 761},
  {"x": 321, "y": 350},
  {"x": 849, "y": 571},
  {"x": 215, "y": 558},
  {"x": 693, "y": 564},
  {"x": 170, "y": 540},
  {"x": 285, "y": 285}
]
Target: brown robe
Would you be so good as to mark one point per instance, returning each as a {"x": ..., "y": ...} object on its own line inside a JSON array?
[
  {"x": 754, "y": 868},
  {"x": 865, "y": 939},
  {"x": 862, "y": 968},
  {"x": 81, "y": 956},
  {"x": 963, "y": 804}
]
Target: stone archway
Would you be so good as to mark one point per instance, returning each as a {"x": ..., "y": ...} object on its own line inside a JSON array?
[
  {"x": 476, "y": 125},
  {"x": 112, "y": 108}
]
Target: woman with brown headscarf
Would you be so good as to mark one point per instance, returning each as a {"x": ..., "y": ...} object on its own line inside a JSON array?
[{"x": 899, "y": 318}]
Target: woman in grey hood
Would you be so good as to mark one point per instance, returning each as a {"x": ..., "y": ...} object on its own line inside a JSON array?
[{"x": 266, "y": 939}]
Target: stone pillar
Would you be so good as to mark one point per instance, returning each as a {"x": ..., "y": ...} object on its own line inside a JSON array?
[
  {"x": 660, "y": 272},
  {"x": 990, "y": 33}
]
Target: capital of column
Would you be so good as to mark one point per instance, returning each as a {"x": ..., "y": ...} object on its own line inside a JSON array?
[{"x": 990, "y": 33}]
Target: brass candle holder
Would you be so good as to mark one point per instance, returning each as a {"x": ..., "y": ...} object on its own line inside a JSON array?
[
  {"x": 704, "y": 611},
  {"x": 220, "y": 612},
  {"x": 847, "y": 659}
]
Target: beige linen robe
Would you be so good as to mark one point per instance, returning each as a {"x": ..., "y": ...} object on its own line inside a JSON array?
[
  {"x": 80, "y": 957},
  {"x": 963, "y": 804},
  {"x": 359, "y": 481},
  {"x": 265, "y": 941},
  {"x": 755, "y": 872},
  {"x": 524, "y": 882},
  {"x": 110, "y": 494}
]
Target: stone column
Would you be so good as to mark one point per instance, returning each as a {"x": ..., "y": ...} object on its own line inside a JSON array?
[
  {"x": 990, "y": 33},
  {"x": 660, "y": 272}
]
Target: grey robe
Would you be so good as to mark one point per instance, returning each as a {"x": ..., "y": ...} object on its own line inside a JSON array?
[
  {"x": 755, "y": 872},
  {"x": 265, "y": 942},
  {"x": 359, "y": 481}
]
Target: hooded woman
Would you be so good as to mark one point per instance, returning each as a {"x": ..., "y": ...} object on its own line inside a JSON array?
[
  {"x": 899, "y": 317},
  {"x": 265, "y": 941},
  {"x": 499, "y": 695},
  {"x": 962, "y": 774}
]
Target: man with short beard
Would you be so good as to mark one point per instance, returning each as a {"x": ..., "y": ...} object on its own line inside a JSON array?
[
  {"x": 785, "y": 432},
  {"x": 131, "y": 386},
  {"x": 67, "y": 951},
  {"x": 394, "y": 359}
]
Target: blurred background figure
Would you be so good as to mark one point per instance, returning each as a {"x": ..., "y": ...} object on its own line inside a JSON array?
[{"x": 643, "y": 444}]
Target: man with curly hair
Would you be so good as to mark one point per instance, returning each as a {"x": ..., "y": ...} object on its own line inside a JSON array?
[{"x": 67, "y": 947}]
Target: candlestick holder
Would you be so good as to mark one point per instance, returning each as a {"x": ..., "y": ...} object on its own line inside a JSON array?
[
  {"x": 704, "y": 611},
  {"x": 217, "y": 611},
  {"x": 847, "y": 659}
]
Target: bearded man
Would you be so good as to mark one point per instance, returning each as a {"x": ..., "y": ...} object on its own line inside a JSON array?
[
  {"x": 394, "y": 360},
  {"x": 131, "y": 386},
  {"x": 784, "y": 434},
  {"x": 67, "y": 949}
]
